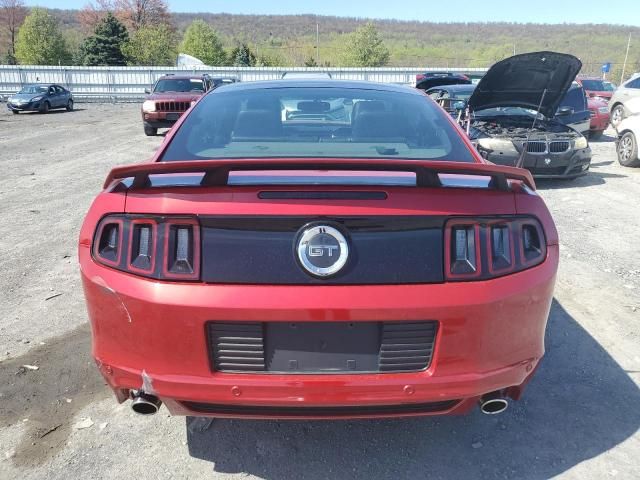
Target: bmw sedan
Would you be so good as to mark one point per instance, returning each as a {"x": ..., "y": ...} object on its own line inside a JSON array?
[
  {"x": 40, "y": 98},
  {"x": 318, "y": 249}
]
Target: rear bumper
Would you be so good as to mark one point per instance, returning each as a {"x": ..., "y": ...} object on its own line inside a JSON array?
[
  {"x": 151, "y": 335},
  {"x": 599, "y": 123}
]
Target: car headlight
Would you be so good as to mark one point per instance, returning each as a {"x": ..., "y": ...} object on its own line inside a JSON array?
[
  {"x": 496, "y": 144},
  {"x": 149, "y": 106},
  {"x": 603, "y": 109},
  {"x": 37, "y": 99},
  {"x": 581, "y": 143}
]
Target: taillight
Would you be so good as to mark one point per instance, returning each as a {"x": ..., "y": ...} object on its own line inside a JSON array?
[
  {"x": 477, "y": 249},
  {"x": 164, "y": 248}
]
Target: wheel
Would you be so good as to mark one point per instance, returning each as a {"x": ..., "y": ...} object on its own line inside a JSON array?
[
  {"x": 628, "y": 150},
  {"x": 150, "y": 131},
  {"x": 596, "y": 135},
  {"x": 44, "y": 108},
  {"x": 70, "y": 106},
  {"x": 617, "y": 115}
]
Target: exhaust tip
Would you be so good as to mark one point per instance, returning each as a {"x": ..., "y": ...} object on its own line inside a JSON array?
[
  {"x": 145, "y": 404},
  {"x": 493, "y": 403}
]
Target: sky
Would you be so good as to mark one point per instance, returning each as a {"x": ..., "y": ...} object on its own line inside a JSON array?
[{"x": 537, "y": 11}]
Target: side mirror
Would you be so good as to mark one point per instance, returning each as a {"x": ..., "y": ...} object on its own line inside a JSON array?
[
  {"x": 147, "y": 91},
  {"x": 563, "y": 111}
]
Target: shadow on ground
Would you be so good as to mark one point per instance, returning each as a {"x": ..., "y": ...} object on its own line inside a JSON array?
[
  {"x": 562, "y": 420},
  {"x": 592, "y": 178}
]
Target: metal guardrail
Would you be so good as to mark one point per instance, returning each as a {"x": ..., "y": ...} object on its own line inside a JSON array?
[{"x": 116, "y": 84}]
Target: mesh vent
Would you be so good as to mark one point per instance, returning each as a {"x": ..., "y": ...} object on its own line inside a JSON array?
[
  {"x": 407, "y": 346},
  {"x": 536, "y": 147},
  {"x": 559, "y": 146},
  {"x": 237, "y": 347}
]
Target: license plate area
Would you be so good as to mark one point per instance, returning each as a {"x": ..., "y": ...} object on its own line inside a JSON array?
[
  {"x": 322, "y": 347},
  {"x": 173, "y": 116}
]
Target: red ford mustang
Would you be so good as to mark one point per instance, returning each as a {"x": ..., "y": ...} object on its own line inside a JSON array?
[{"x": 318, "y": 249}]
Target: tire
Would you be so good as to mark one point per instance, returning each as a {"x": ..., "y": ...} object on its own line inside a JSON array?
[
  {"x": 596, "y": 135},
  {"x": 627, "y": 150},
  {"x": 44, "y": 108},
  {"x": 150, "y": 131},
  {"x": 15, "y": 112},
  {"x": 617, "y": 115},
  {"x": 70, "y": 106}
]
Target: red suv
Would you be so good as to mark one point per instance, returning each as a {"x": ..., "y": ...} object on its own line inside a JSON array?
[
  {"x": 318, "y": 249},
  {"x": 171, "y": 96},
  {"x": 596, "y": 87}
]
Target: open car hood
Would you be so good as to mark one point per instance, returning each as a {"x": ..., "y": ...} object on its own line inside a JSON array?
[
  {"x": 521, "y": 80},
  {"x": 431, "y": 82}
]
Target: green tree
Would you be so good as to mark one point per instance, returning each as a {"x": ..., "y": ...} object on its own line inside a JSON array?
[
  {"x": 104, "y": 47},
  {"x": 151, "y": 46},
  {"x": 40, "y": 41},
  {"x": 365, "y": 48},
  {"x": 242, "y": 56},
  {"x": 310, "y": 62},
  {"x": 201, "y": 41}
]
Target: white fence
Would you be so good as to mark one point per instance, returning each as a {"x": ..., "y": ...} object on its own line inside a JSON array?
[{"x": 128, "y": 83}]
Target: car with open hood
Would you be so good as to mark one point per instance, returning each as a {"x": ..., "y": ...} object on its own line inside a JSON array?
[
  {"x": 512, "y": 110},
  {"x": 316, "y": 248}
]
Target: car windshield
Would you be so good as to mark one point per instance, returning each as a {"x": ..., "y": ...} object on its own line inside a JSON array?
[
  {"x": 462, "y": 94},
  {"x": 34, "y": 89},
  {"x": 179, "y": 85},
  {"x": 313, "y": 122},
  {"x": 596, "y": 86}
]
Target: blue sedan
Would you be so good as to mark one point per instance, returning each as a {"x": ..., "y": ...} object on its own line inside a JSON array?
[{"x": 40, "y": 98}]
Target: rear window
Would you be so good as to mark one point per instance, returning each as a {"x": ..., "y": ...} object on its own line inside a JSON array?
[
  {"x": 594, "y": 85},
  {"x": 179, "y": 85},
  {"x": 316, "y": 122}
]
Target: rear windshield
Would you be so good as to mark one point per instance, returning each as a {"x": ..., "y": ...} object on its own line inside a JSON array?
[
  {"x": 316, "y": 122},
  {"x": 179, "y": 85},
  {"x": 596, "y": 86}
]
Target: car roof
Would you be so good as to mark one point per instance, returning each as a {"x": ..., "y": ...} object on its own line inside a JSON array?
[
  {"x": 318, "y": 83},
  {"x": 454, "y": 88},
  {"x": 183, "y": 76}
]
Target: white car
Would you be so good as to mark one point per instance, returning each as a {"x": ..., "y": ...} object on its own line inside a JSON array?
[{"x": 628, "y": 135}]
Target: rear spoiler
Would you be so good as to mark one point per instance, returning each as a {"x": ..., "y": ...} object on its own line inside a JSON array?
[{"x": 216, "y": 172}]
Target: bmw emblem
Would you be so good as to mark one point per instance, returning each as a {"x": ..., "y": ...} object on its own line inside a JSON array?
[
  {"x": 322, "y": 250},
  {"x": 547, "y": 161}
]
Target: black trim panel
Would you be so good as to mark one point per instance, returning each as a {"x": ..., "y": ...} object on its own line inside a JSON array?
[{"x": 343, "y": 411}]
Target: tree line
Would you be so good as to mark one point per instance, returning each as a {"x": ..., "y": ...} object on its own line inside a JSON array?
[
  {"x": 134, "y": 32},
  {"x": 155, "y": 35}
]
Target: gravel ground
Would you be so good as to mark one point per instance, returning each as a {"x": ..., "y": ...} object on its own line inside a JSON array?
[{"x": 579, "y": 418}]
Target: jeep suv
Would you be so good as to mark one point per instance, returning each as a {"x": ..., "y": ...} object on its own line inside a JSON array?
[{"x": 171, "y": 96}]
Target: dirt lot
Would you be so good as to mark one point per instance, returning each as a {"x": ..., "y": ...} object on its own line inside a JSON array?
[{"x": 579, "y": 418}]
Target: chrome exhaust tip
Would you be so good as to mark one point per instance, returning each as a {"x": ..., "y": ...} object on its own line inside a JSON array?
[
  {"x": 493, "y": 403},
  {"x": 145, "y": 404}
]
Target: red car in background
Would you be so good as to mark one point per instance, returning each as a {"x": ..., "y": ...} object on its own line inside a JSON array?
[
  {"x": 600, "y": 117},
  {"x": 596, "y": 87},
  {"x": 318, "y": 249}
]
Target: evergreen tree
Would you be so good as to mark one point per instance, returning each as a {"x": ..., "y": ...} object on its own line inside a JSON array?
[
  {"x": 242, "y": 56},
  {"x": 104, "y": 47}
]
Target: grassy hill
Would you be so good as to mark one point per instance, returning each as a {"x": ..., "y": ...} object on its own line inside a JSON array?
[{"x": 291, "y": 39}]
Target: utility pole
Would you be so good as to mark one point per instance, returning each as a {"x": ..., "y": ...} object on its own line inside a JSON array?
[
  {"x": 626, "y": 57},
  {"x": 317, "y": 41}
]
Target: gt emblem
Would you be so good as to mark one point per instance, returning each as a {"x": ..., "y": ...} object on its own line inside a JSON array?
[
  {"x": 547, "y": 161},
  {"x": 322, "y": 250}
]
